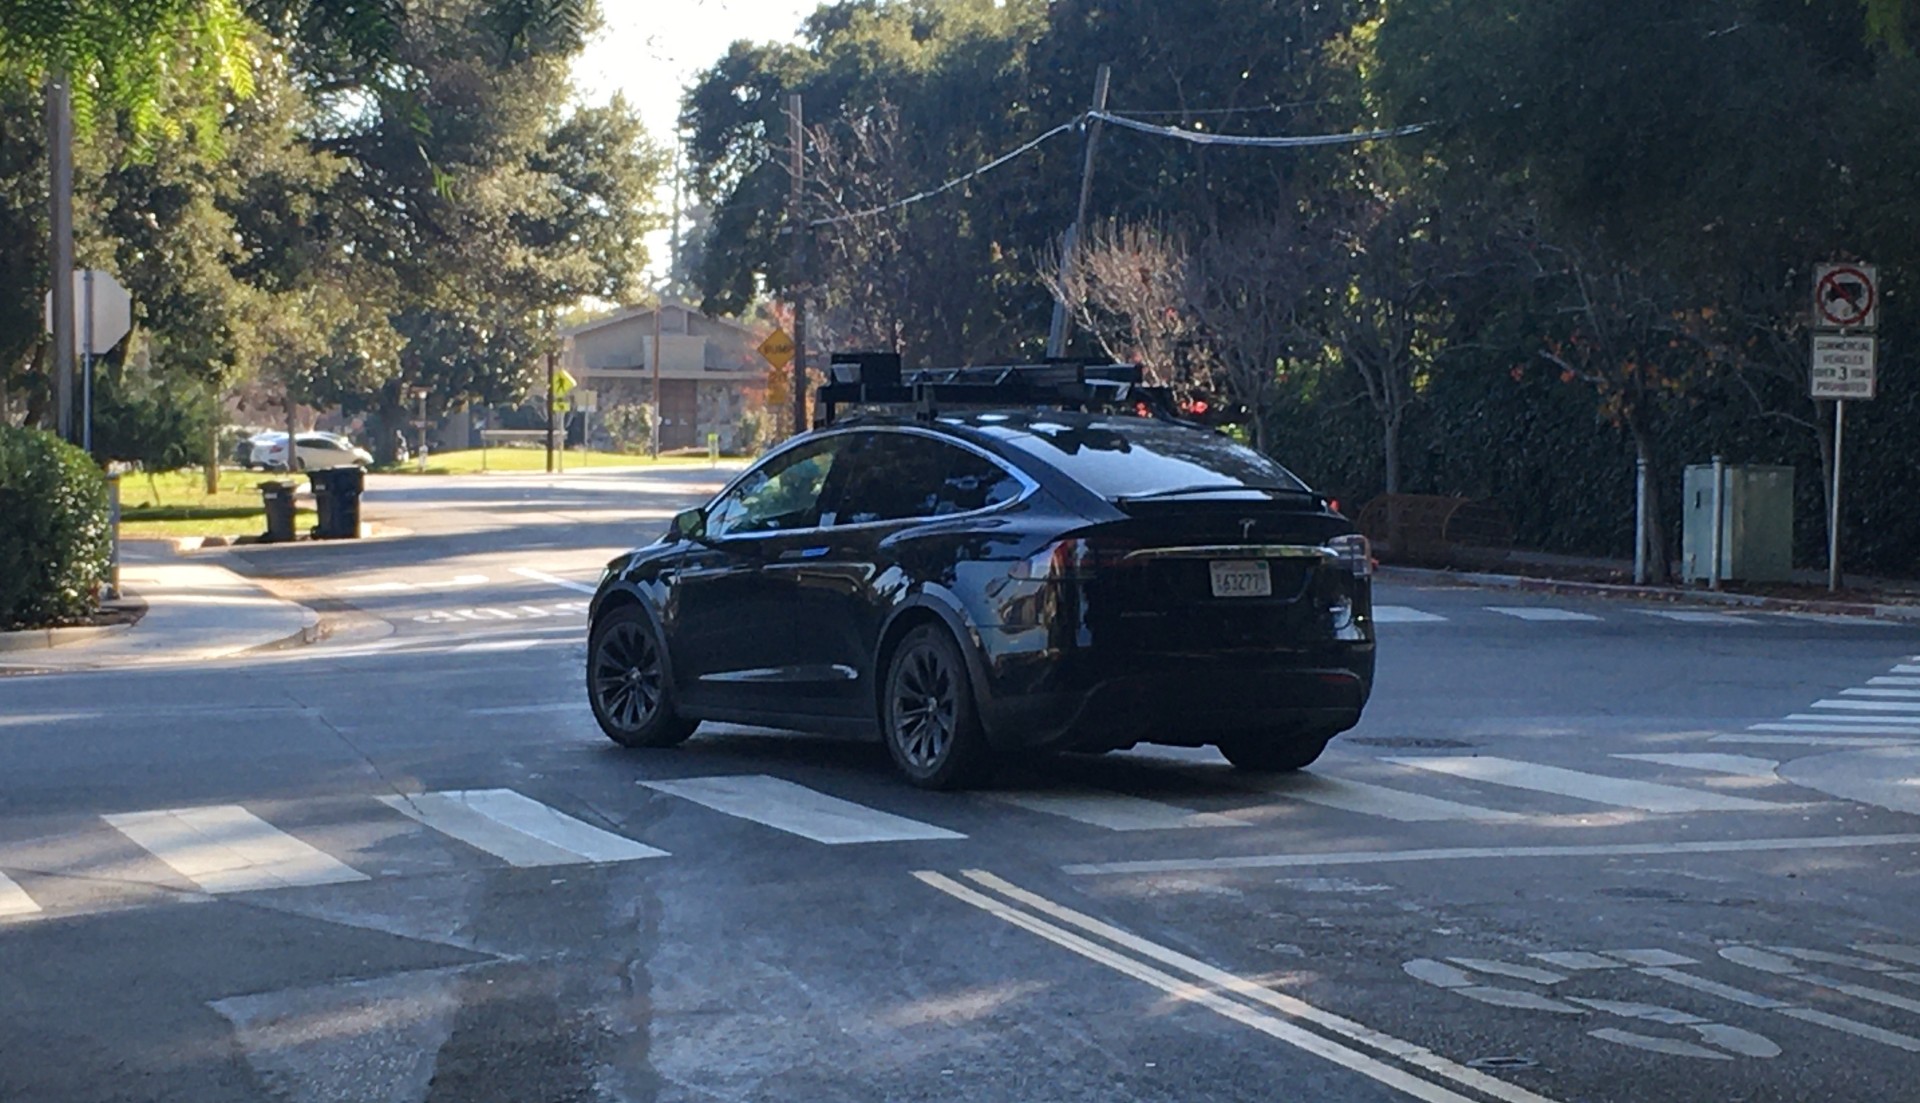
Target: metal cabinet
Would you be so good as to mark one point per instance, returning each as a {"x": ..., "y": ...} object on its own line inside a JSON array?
[{"x": 1756, "y": 519}]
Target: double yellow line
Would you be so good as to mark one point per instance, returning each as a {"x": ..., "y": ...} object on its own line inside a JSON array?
[{"x": 1235, "y": 997}]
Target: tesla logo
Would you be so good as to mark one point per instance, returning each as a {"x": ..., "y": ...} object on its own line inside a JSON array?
[{"x": 1246, "y": 527}]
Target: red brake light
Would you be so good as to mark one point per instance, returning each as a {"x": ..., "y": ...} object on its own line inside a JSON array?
[
  {"x": 1072, "y": 558},
  {"x": 1199, "y": 406}
]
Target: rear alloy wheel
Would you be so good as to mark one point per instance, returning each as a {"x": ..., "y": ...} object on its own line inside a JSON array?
[
  {"x": 1277, "y": 752},
  {"x": 927, "y": 713},
  {"x": 627, "y": 682}
]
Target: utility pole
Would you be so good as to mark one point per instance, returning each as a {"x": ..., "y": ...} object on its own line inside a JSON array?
[
  {"x": 551, "y": 403},
  {"x": 653, "y": 434},
  {"x": 797, "y": 140},
  {"x": 60, "y": 194},
  {"x": 1062, "y": 328}
]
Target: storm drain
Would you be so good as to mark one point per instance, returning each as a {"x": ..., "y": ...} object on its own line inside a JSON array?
[{"x": 1507, "y": 1061}]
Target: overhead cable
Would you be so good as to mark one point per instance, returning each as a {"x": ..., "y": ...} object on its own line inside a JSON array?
[
  {"x": 1199, "y": 137},
  {"x": 951, "y": 184}
]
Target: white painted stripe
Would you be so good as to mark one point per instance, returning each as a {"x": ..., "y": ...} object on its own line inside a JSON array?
[
  {"x": 1875, "y": 720},
  {"x": 470, "y": 614},
  {"x": 798, "y": 810},
  {"x": 497, "y": 645},
  {"x": 1600, "y": 789},
  {"x": 1539, "y": 613},
  {"x": 1214, "y": 980},
  {"x": 1496, "y": 853},
  {"x": 530, "y": 710},
  {"x": 225, "y": 848},
  {"x": 1508, "y": 969},
  {"x": 1715, "y": 988},
  {"x": 496, "y": 614},
  {"x": 1884, "y": 681},
  {"x": 1811, "y": 740},
  {"x": 1662, "y": 959},
  {"x": 1401, "y": 614},
  {"x": 1906, "y": 955},
  {"x": 460, "y": 580},
  {"x": 1378, "y": 800},
  {"x": 554, "y": 580},
  {"x": 1114, "y": 811},
  {"x": 1739, "y": 765},
  {"x": 1578, "y": 960},
  {"x": 1859, "y": 1029},
  {"x": 1910, "y": 707},
  {"x": 379, "y": 587},
  {"x": 534, "y": 612},
  {"x": 1880, "y": 693},
  {"x": 14, "y": 899},
  {"x": 1694, "y": 616},
  {"x": 516, "y": 828},
  {"x": 1906, "y": 669}
]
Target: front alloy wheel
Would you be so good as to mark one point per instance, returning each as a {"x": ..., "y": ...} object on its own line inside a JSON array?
[
  {"x": 927, "y": 713},
  {"x": 627, "y": 683}
]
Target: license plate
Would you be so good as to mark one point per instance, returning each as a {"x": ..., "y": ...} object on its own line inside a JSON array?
[{"x": 1241, "y": 578}]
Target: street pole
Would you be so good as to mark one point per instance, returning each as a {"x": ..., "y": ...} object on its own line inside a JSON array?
[
  {"x": 421, "y": 436},
  {"x": 1640, "y": 521},
  {"x": 1833, "y": 502},
  {"x": 653, "y": 434},
  {"x": 86, "y": 359},
  {"x": 1716, "y": 545},
  {"x": 60, "y": 196},
  {"x": 797, "y": 170},
  {"x": 550, "y": 405},
  {"x": 1062, "y": 328}
]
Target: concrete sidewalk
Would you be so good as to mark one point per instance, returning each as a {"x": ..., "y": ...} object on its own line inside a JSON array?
[{"x": 196, "y": 611}]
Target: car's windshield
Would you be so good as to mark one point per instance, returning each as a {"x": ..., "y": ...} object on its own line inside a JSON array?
[{"x": 1134, "y": 457}]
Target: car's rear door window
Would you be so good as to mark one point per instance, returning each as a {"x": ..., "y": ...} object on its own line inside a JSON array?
[{"x": 901, "y": 476}]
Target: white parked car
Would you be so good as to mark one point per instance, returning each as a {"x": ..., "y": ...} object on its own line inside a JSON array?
[{"x": 316, "y": 450}]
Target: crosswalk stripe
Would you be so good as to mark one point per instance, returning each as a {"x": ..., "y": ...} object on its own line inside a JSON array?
[
  {"x": 14, "y": 899},
  {"x": 1114, "y": 811},
  {"x": 1601, "y": 789},
  {"x": 1737, "y": 765},
  {"x": 225, "y": 848},
  {"x": 1539, "y": 612},
  {"x": 554, "y": 580},
  {"x": 1766, "y": 737},
  {"x": 1893, "y": 681},
  {"x": 1905, "y": 668},
  {"x": 1401, "y": 614},
  {"x": 496, "y": 645},
  {"x": 1872, "y": 706},
  {"x": 1378, "y": 800},
  {"x": 1857, "y": 720},
  {"x": 1876, "y": 692},
  {"x": 516, "y": 828},
  {"x": 1694, "y": 616},
  {"x": 798, "y": 810}
]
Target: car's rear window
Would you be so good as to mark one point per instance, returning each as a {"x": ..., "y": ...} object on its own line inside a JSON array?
[{"x": 1128, "y": 457}]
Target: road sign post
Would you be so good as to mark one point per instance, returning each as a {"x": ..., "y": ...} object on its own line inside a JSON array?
[
  {"x": 102, "y": 313},
  {"x": 1846, "y": 310}
]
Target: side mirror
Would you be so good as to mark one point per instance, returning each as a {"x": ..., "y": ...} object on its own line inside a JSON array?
[{"x": 690, "y": 524}]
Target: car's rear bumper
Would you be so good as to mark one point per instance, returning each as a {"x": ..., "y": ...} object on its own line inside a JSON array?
[{"x": 1054, "y": 701}]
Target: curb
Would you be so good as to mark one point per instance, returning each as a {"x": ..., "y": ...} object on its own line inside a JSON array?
[
  {"x": 40, "y": 639},
  {"x": 1655, "y": 593},
  {"x": 369, "y": 530}
]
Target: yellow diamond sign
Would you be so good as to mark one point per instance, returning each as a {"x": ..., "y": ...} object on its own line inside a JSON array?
[
  {"x": 562, "y": 383},
  {"x": 777, "y": 348}
]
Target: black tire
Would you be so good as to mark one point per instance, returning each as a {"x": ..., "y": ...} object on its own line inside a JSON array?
[
  {"x": 1276, "y": 752},
  {"x": 927, "y": 714},
  {"x": 627, "y": 682}
]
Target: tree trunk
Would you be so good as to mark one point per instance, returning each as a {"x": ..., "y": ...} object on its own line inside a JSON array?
[
  {"x": 1390, "y": 450},
  {"x": 1659, "y": 566},
  {"x": 213, "y": 461}
]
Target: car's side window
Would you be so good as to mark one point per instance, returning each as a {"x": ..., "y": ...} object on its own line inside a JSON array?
[
  {"x": 782, "y": 494},
  {"x": 900, "y": 476}
]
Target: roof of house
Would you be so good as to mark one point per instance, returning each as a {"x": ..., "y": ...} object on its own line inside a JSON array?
[{"x": 627, "y": 313}]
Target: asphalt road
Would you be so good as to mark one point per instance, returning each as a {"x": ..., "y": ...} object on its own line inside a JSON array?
[{"x": 1578, "y": 851}]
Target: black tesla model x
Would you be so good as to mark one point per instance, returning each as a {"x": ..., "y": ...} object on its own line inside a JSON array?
[{"x": 984, "y": 575}]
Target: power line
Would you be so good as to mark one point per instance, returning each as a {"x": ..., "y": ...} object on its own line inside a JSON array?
[
  {"x": 1195, "y": 112},
  {"x": 1198, "y": 137},
  {"x": 951, "y": 184}
]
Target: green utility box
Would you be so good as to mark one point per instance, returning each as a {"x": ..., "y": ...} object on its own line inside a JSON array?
[{"x": 1756, "y": 518}]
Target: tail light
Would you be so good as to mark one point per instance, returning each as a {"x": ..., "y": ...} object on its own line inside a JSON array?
[
  {"x": 1076, "y": 557},
  {"x": 1353, "y": 552}
]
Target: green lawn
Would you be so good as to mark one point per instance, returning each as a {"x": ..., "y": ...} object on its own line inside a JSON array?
[
  {"x": 475, "y": 460},
  {"x": 176, "y": 503}
]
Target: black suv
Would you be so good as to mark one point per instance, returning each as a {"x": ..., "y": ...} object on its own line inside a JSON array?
[{"x": 978, "y": 578}]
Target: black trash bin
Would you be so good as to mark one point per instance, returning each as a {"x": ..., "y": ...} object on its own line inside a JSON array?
[
  {"x": 336, "y": 498},
  {"x": 278, "y": 497}
]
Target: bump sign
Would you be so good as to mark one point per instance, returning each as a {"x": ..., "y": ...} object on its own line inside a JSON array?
[{"x": 777, "y": 348}]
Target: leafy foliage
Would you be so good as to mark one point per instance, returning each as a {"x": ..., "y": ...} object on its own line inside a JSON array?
[{"x": 55, "y": 544}]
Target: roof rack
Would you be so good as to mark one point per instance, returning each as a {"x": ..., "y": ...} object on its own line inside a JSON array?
[{"x": 876, "y": 379}]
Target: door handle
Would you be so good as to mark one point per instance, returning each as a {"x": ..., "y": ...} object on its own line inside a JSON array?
[{"x": 804, "y": 553}]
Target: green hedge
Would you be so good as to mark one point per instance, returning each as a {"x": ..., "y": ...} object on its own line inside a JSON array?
[{"x": 54, "y": 540}]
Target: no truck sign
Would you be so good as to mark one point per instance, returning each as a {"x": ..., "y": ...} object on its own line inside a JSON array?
[{"x": 1846, "y": 296}]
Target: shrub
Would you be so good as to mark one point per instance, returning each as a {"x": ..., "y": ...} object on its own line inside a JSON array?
[{"x": 54, "y": 541}]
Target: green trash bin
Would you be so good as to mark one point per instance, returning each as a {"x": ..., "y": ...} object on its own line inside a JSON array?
[
  {"x": 277, "y": 494},
  {"x": 336, "y": 498}
]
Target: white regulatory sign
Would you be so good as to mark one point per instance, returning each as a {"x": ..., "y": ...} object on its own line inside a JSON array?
[
  {"x": 1842, "y": 366},
  {"x": 1846, "y": 296}
]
